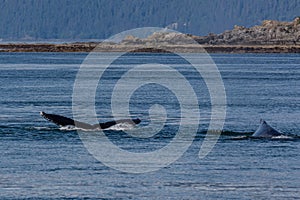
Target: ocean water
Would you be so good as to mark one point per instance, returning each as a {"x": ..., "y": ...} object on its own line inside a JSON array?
[{"x": 40, "y": 160}]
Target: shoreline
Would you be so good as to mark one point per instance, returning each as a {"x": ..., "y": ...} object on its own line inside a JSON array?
[{"x": 105, "y": 47}]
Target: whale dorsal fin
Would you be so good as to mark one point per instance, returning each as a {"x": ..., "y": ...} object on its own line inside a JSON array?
[{"x": 265, "y": 130}]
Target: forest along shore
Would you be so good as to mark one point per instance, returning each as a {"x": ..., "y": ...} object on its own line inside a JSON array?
[{"x": 270, "y": 37}]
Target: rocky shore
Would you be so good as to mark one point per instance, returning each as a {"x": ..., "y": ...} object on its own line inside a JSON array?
[
  {"x": 270, "y": 32},
  {"x": 269, "y": 37}
]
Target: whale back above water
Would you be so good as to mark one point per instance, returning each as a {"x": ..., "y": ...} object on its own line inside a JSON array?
[
  {"x": 265, "y": 130},
  {"x": 65, "y": 121}
]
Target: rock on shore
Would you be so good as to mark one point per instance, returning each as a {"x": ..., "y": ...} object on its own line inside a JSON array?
[{"x": 270, "y": 32}]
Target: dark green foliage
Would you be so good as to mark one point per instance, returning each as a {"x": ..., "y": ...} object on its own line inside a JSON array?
[{"x": 84, "y": 19}]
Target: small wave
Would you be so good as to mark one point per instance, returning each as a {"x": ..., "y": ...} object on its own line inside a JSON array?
[
  {"x": 280, "y": 137},
  {"x": 41, "y": 128},
  {"x": 244, "y": 137}
]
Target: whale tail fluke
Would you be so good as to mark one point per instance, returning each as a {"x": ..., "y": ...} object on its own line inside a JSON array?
[
  {"x": 57, "y": 119},
  {"x": 65, "y": 121}
]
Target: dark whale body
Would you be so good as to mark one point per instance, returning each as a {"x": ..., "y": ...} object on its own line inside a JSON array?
[
  {"x": 65, "y": 121},
  {"x": 265, "y": 131}
]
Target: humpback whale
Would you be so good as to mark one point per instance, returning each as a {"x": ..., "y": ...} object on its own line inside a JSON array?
[
  {"x": 265, "y": 130},
  {"x": 65, "y": 121}
]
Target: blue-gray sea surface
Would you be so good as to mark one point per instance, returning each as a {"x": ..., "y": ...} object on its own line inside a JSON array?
[{"x": 40, "y": 160}]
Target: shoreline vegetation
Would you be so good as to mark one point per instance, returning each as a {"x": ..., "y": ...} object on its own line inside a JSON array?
[{"x": 270, "y": 37}]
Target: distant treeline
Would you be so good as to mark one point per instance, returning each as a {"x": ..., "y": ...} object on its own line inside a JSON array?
[{"x": 98, "y": 19}]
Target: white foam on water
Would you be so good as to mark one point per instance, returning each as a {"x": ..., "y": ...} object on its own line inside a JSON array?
[
  {"x": 282, "y": 137},
  {"x": 121, "y": 127},
  {"x": 68, "y": 128}
]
